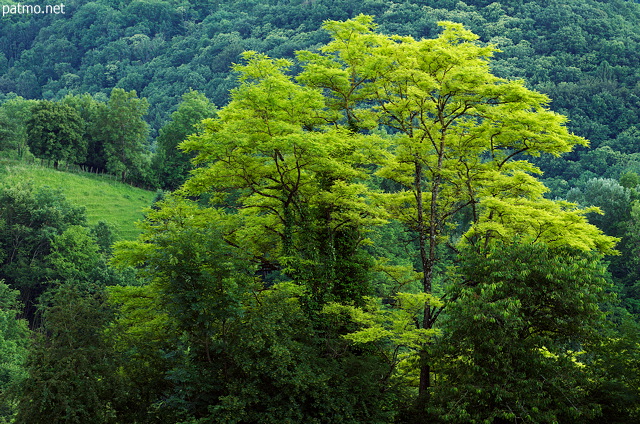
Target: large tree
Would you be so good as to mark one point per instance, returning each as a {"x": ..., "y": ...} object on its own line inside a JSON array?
[
  {"x": 91, "y": 110},
  {"x": 458, "y": 138},
  {"x": 124, "y": 132},
  {"x": 285, "y": 201},
  {"x": 172, "y": 164},
  {"x": 30, "y": 219},
  {"x": 14, "y": 114},
  {"x": 72, "y": 376},
  {"x": 517, "y": 336},
  {"x": 295, "y": 181},
  {"x": 54, "y": 132}
]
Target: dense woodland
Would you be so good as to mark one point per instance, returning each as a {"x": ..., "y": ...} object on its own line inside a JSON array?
[{"x": 367, "y": 212}]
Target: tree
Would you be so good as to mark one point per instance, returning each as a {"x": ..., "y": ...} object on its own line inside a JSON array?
[
  {"x": 172, "y": 164},
  {"x": 74, "y": 255},
  {"x": 71, "y": 369},
  {"x": 90, "y": 110},
  {"x": 295, "y": 182},
  {"x": 268, "y": 232},
  {"x": 14, "y": 339},
  {"x": 517, "y": 336},
  {"x": 54, "y": 132},
  {"x": 29, "y": 219},
  {"x": 236, "y": 350},
  {"x": 458, "y": 135},
  {"x": 14, "y": 114},
  {"x": 124, "y": 132}
]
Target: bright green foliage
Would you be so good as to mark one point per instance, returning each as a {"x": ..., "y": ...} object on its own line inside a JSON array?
[
  {"x": 54, "y": 132},
  {"x": 295, "y": 182},
  {"x": 393, "y": 329},
  {"x": 74, "y": 255},
  {"x": 124, "y": 132},
  {"x": 458, "y": 134},
  {"x": 171, "y": 163},
  {"x": 71, "y": 369}
]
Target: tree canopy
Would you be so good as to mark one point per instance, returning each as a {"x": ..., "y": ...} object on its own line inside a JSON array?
[
  {"x": 290, "y": 180},
  {"x": 54, "y": 132},
  {"x": 361, "y": 234}
]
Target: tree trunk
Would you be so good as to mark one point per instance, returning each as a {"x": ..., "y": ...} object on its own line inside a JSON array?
[{"x": 427, "y": 266}]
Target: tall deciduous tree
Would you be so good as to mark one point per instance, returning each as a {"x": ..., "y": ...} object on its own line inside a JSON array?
[
  {"x": 283, "y": 167},
  {"x": 14, "y": 114},
  {"x": 295, "y": 182},
  {"x": 91, "y": 111},
  {"x": 124, "y": 132},
  {"x": 459, "y": 134},
  {"x": 54, "y": 132},
  {"x": 172, "y": 164},
  {"x": 71, "y": 369}
]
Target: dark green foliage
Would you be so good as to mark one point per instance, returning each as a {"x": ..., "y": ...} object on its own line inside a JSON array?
[
  {"x": 616, "y": 380},
  {"x": 613, "y": 199},
  {"x": 580, "y": 52},
  {"x": 91, "y": 111},
  {"x": 104, "y": 237},
  {"x": 54, "y": 132},
  {"x": 237, "y": 351},
  {"x": 629, "y": 180},
  {"x": 14, "y": 339},
  {"x": 515, "y": 334},
  {"x": 281, "y": 368},
  {"x": 124, "y": 133},
  {"x": 29, "y": 221},
  {"x": 71, "y": 369},
  {"x": 14, "y": 114},
  {"x": 172, "y": 164}
]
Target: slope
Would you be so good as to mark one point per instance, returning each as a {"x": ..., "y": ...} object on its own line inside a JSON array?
[{"x": 117, "y": 204}]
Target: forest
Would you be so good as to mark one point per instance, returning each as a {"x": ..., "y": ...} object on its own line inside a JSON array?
[{"x": 372, "y": 212}]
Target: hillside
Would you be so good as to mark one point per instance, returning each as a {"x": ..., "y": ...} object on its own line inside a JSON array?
[
  {"x": 382, "y": 216},
  {"x": 583, "y": 53},
  {"x": 119, "y": 205}
]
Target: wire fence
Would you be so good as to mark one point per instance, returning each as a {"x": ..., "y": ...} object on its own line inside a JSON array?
[{"x": 81, "y": 169}]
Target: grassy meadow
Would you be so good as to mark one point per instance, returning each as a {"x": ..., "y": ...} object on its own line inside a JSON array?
[{"x": 120, "y": 205}]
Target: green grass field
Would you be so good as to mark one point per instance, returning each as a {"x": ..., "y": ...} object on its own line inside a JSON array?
[{"x": 119, "y": 205}]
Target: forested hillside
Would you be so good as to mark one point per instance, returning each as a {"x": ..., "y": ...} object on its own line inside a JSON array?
[
  {"x": 366, "y": 212},
  {"x": 583, "y": 54}
]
